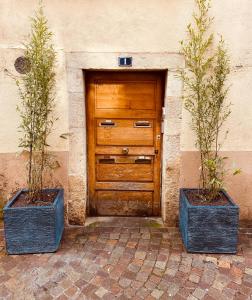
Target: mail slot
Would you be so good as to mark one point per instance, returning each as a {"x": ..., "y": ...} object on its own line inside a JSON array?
[
  {"x": 106, "y": 160},
  {"x": 143, "y": 160},
  {"x": 107, "y": 123},
  {"x": 116, "y": 159},
  {"x": 142, "y": 124}
]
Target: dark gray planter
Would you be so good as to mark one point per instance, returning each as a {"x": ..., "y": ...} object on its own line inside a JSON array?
[
  {"x": 34, "y": 229},
  {"x": 208, "y": 229}
]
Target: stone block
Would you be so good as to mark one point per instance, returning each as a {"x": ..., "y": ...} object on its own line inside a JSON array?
[
  {"x": 77, "y": 208},
  {"x": 77, "y": 153},
  {"x": 172, "y": 122},
  {"x": 88, "y": 60},
  {"x": 77, "y": 183},
  {"x": 77, "y": 113},
  {"x": 75, "y": 80},
  {"x": 174, "y": 86}
]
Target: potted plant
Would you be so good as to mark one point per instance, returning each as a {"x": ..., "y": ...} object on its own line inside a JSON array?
[
  {"x": 34, "y": 217},
  {"x": 208, "y": 217}
]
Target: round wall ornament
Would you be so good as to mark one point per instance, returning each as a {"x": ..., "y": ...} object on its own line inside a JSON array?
[{"x": 22, "y": 65}]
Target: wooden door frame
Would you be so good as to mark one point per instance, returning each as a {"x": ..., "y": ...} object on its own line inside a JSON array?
[
  {"x": 77, "y": 63},
  {"x": 89, "y": 110}
]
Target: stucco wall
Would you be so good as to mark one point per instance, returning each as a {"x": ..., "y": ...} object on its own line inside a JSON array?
[{"x": 105, "y": 26}]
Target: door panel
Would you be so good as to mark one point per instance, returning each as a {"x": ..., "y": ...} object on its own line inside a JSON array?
[
  {"x": 132, "y": 203},
  {"x": 109, "y": 132},
  {"x": 130, "y": 168},
  {"x": 121, "y": 95},
  {"x": 124, "y": 143}
]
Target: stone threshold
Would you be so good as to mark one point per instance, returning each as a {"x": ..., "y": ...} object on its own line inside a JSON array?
[{"x": 129, "y": 222}]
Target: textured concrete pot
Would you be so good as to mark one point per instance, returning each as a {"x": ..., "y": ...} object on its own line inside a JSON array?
[
  {"x": 34, "y": 229},
  {"x": 208, "y": 229}
]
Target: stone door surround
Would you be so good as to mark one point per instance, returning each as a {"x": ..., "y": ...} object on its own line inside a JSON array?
[{"x": 76, "y": 65}]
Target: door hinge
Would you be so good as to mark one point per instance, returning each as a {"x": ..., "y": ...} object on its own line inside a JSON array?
[{"x": 163, "y": 113}]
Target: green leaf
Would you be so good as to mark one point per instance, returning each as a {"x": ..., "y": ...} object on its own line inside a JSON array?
[{"x": 237, "y": 172}]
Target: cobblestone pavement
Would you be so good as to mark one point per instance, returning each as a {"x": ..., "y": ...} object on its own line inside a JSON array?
[{"x": 126, "y": 259}]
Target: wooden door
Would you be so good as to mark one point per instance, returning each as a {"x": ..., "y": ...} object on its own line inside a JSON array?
[{"x": 124, "y": 143}]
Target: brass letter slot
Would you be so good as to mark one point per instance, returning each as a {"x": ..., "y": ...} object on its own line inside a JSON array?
[
  {"x": 107, "y": 123},
  {"x": 143, "y": 160},
  {"x": 106, "y": 160},
  {"x": 142, "y": 124}
]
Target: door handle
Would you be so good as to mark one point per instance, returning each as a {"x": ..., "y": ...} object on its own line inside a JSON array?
[{"x": 125, "y": 151}]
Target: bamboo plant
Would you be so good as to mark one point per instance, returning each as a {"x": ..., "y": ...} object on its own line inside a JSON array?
[
  {"x": 205, "y": 93},
  {"x": 36, "y": 89}
]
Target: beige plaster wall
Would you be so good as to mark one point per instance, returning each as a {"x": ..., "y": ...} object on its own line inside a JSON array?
[
  {"x": 126, "y": 26},
  {"x": 136, "y": 26},
  {"x": 9, "y": 99}
]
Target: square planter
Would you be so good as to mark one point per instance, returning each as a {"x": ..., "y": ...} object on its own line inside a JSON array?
[
  {"x": 34, "y": 229},
  {"x": 208, "y": 229}
]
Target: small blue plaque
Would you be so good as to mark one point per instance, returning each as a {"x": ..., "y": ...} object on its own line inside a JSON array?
[{"x": 125, "y": 61}]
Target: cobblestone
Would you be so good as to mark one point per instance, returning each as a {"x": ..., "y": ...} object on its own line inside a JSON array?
[
  {"x": 194, "y": 278},
  {"x": 157, "y": 294},
  {"x": 126, "y": 260}
]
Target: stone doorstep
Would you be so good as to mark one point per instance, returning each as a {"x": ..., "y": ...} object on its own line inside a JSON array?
[{"x": 155, "y": 222}]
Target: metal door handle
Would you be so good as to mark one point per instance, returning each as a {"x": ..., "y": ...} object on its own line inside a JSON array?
[{"x": 125, "y": 150}]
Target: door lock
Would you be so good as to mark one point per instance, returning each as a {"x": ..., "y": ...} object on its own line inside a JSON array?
[{"x": 125, "y": 151}]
